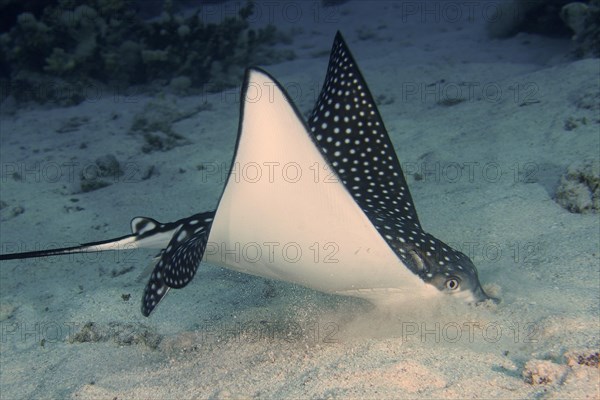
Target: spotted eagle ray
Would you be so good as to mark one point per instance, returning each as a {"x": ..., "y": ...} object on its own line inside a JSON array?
[{"x": 338, "y": 218}]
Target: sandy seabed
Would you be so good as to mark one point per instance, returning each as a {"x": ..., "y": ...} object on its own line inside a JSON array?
[{"x": 488, "y": 168}]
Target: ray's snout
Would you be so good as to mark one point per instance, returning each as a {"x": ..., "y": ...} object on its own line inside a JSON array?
[{"x": 480, "y": 296}]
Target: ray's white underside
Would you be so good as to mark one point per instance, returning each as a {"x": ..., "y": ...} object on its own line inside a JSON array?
[{"x": 285, "y": 215}]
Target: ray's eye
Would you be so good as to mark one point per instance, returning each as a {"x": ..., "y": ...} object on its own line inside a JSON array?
[{"x": 452, "y": 284}]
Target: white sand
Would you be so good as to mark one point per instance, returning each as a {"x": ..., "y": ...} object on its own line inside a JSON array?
[{"x": 229, "y": 335}]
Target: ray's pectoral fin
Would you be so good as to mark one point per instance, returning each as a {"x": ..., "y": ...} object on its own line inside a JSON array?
[
  {"x": 179, "y": 261},
  {"x": 348, "y": 129}
]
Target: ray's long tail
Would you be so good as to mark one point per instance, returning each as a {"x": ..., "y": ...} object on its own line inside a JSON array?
[{"x": 121, "y": 243}]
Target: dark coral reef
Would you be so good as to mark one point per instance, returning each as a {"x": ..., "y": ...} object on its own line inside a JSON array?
[
  {"x": 70, "y": 45},
  {"x": 579, "y": 20}
]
